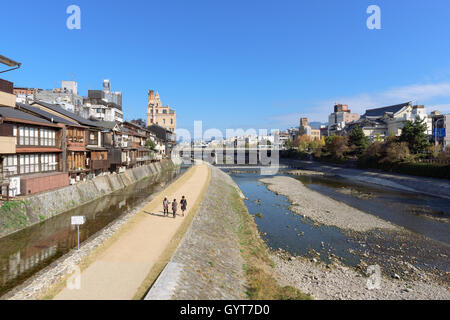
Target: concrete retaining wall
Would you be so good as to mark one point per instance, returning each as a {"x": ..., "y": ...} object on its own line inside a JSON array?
[{"x": 46, "y": 205}]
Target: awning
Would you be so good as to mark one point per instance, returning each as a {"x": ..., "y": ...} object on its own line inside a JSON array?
[
  {"x": 77, "y": 148},
  {"x": 37, "y": 150},
  {"x": 94, "y": 148}
]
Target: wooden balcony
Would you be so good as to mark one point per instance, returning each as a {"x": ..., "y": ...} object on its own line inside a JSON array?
[{"x": 99, "y": 165}]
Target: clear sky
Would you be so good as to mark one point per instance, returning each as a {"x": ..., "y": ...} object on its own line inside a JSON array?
[{"x": 250, "y": 64}]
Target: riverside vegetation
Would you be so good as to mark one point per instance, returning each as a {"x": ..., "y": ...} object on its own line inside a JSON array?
[
  {"x": 409, "y": 153},
  {"x": 13, "y": 215},
  {"x": 259, "y": 267}
]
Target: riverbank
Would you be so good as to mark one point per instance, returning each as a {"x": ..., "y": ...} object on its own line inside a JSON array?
[
  {"x": 403, "y": 257},
  {"x": 29, "y": 211},
  {"x": 429, "y": 186},
  {"x": 336, "y": 281},
  {"x": 116, "y": 270},
  {"x": 222, "y": 255},
  {"x": 59, "y": 270},
  {"x": 322, "y": 209}
]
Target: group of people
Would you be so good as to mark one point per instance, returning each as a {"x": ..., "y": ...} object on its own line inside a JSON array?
[{"x": 166, "y": 204}]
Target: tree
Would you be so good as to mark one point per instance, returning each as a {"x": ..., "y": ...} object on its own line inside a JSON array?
[
  {"x": 395, "y": 151},
  {"x": 414, "y": 134},
  {"x": 150, "y": 144},
  {"x": 336, "y": 146},
  {"x": 316, "y": 144},
  {"x": 302, "y": 143},
  {"x": 358, "y": 140},
  {"x": 289, "y": 144},
  {"x": 390, "y": 151}
]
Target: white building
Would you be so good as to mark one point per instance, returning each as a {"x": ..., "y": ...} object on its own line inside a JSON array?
[
  {"x": 103, "y": 105},
  {"x": 390, "y": 120}
]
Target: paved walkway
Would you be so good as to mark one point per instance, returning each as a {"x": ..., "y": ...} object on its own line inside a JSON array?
[
  {"x": 207, "y": 264},
  {"x": 119, "y": 270}
]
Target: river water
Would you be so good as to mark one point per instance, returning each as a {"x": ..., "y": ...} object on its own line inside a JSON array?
[
  {"x": 26, "y": 252},
  {"x": 426, "y": 244}
]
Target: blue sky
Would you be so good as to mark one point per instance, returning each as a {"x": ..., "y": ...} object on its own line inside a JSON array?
[{"x": 237, "y": 64}]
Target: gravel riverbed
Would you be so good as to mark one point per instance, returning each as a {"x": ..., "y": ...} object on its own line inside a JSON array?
[
  {"x": 336, "y": 281},
  {"x": 323, "y": 209},
  {"x": 394, "y": 251}
]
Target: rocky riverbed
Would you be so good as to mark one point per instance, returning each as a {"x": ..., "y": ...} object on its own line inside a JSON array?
[
  {"x": 322, "y": 209},
  {"x": 411, "y": 266},
  {"x": 336, "y": 281}
]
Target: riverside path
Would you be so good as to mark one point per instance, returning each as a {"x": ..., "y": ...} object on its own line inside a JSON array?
[{"x": 121, "y": 266}]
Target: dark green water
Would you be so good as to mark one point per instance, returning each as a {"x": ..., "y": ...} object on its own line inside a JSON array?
[{"x": 26, "y": 252}]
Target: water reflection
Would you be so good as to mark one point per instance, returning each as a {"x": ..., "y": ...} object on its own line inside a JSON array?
[
  {"x": 26, "y": 252},
  {"x": 281, "y": 228},
  {"x": 423, "y": 214}
]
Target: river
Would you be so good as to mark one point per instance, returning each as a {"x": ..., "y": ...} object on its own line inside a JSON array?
[
  {"x": 426, "y": 244},
  {"x": 28, "y": 251}
]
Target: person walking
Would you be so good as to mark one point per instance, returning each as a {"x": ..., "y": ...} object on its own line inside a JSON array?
[
  {"x": 183, "y": 204},
  {"x": 174, "y": 207},
  {"x": 166, "y": 206}
]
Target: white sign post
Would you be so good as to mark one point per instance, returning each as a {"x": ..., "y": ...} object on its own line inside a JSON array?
[{"x": 77, "y": 221}]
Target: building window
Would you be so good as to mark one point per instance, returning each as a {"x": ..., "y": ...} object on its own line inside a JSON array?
[
  {"x": 10, "y": 166},
  {"x": 48, "y": 162},
  {"x": 29, "y": 163},
  {"x": 27, "y": 136},
  {"x": 93, "y": 138},
  {"x": 47, "y": 138},
  {"x": 171, "y": 121}
]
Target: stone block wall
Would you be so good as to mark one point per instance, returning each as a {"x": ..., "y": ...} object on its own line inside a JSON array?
[{"x": 45, "y": 205}]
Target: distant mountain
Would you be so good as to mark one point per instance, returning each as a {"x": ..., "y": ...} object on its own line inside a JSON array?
[{"x": 316, "y": 124}]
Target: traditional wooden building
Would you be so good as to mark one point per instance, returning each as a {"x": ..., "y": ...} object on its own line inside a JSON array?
[
  {"x": 85, "y": 153},
  {"x": 31, "y": 153}
]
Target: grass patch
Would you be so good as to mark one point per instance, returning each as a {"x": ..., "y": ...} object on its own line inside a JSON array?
[{"x": 258, "y": 267}]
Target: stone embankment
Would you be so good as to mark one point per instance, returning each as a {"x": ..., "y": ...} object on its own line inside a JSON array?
[
  {"x": 40, "y": 207},
  {"x": 208, "y": 263}
]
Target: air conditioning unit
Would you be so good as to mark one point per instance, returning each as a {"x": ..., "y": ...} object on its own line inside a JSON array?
[{"x": 14, "y": 186}]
